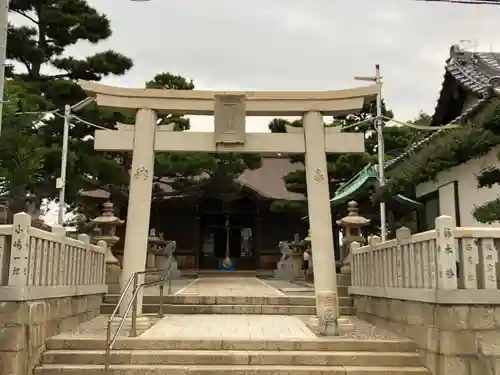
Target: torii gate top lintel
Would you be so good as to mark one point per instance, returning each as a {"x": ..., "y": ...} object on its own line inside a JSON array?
[{"x": 257, "y": 103}]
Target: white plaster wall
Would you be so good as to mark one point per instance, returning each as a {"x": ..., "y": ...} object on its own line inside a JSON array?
[{"x": 468, "y": 193}]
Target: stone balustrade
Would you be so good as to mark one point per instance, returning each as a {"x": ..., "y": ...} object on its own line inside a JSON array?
[
  {"x": 440, "y": 289},
  {"x": 49, "y": 283},
  {"x": 36, "y": 264},
  {"x": 445, "y": 264}
]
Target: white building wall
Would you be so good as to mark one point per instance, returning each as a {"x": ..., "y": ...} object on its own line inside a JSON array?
[{"x": 469, "y": 195}]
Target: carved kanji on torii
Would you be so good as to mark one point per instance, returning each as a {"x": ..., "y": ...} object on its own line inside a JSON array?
[{"x": 230, "y": 110}]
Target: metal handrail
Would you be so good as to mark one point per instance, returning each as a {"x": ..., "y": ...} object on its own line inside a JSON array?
[{"x": 133, "y": 303}]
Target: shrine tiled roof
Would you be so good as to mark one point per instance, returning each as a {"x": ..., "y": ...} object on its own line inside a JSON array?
[
  {"x": 475, "y": 73},
  {"x": 267, "y": 180}
]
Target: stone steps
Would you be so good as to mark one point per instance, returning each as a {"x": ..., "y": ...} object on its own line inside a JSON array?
[
  {"x": 319, "y": 345},
  {"x": 232, "y": 357},
  {"x": 230, "y": 309},
  {"x": 85, "y": 356},
  {"x": 228, "y": 369},
  {"x": 230, "y": 300}
]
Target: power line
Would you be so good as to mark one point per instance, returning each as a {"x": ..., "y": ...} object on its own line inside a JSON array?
[{"x": 468, "y": 2}]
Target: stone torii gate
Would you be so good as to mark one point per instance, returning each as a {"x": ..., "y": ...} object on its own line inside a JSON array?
[{"x": 230, "y": 110}]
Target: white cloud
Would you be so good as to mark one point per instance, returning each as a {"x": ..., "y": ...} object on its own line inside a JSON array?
[{"x": 295, "y": 44}]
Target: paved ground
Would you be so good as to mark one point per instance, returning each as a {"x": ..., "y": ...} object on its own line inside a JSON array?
[
  {"x": 176, "y": 286},
  {"x": 230, "y": 286},
  {"x": 96, "y": 328},
  {"x": 290, "y": 288},
  {"x": 243, "y": 327}
]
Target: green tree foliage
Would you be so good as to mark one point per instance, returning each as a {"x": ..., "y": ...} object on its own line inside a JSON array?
[
  {"x": 343, "y": 167},
  {"x": 36, "y": 48},
  {"x": 490, "y": 211},
  {"x": 22, "y": 151},
  {"x": 445, "y": 151}
]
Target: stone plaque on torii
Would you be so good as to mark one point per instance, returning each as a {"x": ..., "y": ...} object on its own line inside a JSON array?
[{"x": 230, "y": 110}]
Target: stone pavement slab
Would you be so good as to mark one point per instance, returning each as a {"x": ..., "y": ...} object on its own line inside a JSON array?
[
  {"x": 243, "y": 327},
  {"x": 290, "y": 288},
  {"x": 177, "y": 285},
  {"x": 229, "y": 286}
]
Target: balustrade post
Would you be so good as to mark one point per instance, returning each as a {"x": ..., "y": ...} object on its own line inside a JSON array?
[
  {"x": 60, "y": 256},
  {"x": 101, "y": 263},
  {"x": 19, "y": 267},
  {"x": 489, "y": 259},
  {"x": 403, "y": 236},
  {"x": 355, "y": 265},
  {"x": 377, "y": 265},
  {"x": 87, "y": 260},
  {"x": 446, "y": 253}
]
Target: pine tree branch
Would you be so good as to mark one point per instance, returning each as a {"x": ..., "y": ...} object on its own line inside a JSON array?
[
  {"x": 488, "y": 212},
  {"x": 25, "y": 15},
  {"x": 488, "y": 177}
]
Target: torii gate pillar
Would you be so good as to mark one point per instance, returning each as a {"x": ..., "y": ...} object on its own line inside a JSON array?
[
  {"x": 230, "y": 111},
  {"x": 320, "y": 219}
]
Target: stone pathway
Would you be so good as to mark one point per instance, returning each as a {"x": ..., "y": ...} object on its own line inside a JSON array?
[
  {"x": 290, "y": 288},
  {"x": 243, "y": 327},
  {"x": 176, "y": 286},
  {"x": 226, "y": 327},
  {"x": 230, "y": 286},
  {"x": 274, "y": 328}
]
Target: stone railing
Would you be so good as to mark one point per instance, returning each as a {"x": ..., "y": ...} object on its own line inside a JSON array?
[
  {"x": 49, "y": 283},
  {"x": 438, "y": 288},
  {"x": 36, "y": 264},
  {"x": 446, "y": 265}
]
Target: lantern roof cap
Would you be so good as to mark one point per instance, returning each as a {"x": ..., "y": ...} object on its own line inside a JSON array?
[
  {"x": 107, "y": 216},
  {"x": 353, "y": 218}
]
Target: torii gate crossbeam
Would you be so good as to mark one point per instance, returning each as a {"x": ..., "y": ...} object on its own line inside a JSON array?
[{"x": 230, "y": 110}]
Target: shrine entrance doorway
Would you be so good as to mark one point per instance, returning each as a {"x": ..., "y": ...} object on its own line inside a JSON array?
[{"x": 227, "y": 231}]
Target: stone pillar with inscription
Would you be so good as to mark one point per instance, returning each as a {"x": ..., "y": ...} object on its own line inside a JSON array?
[
  {"x": 320, "y": 223},
  {"x": 139, "y": 202},
  {"x": 20, "y": 251}
]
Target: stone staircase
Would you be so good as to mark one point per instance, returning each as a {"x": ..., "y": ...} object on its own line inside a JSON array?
[
  {"x": 275, "y": 305},
  {"x": 185, "y": 304},
  {"x": 342, "y": 356},
  {"x": 218, "y": 273}
]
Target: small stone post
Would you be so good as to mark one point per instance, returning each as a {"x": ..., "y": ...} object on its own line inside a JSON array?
[
  {"x": 351, "y": 225},
  {"x": 107, "y": 223}
]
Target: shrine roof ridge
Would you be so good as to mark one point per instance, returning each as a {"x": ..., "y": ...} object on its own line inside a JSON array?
[
  {"x": 477, "y": 73},
  {"x": 258, "y": 103}
]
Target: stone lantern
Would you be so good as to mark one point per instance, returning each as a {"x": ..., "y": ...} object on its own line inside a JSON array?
[
  {"x": 351, "y": 229},
  {"x": 4, "y": 214},
  {"x": 156, "y": 244},
  {"x": 106, "y": 225}
]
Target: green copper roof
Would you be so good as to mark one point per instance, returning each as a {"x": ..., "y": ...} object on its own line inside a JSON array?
[
  {"x": 359, "y": 183},
  {"x": 364, "y": 180}
]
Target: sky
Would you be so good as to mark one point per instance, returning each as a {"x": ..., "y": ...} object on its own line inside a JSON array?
[{"x": 296, "y": 45}]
